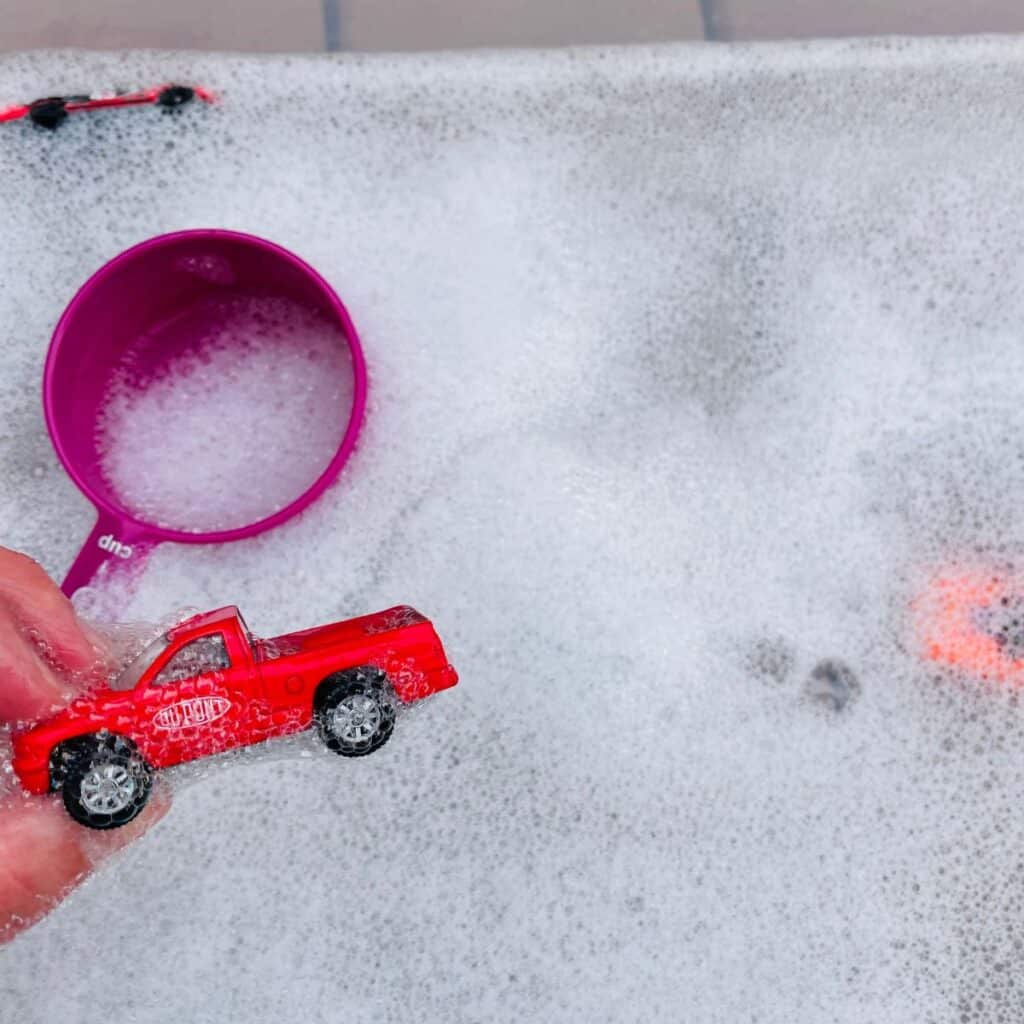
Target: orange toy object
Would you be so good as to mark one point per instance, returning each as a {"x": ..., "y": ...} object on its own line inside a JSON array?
[{"x": 975, "y": 622}]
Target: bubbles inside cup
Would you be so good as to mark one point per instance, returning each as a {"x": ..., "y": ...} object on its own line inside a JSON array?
[{"x": 225, "y": 413}]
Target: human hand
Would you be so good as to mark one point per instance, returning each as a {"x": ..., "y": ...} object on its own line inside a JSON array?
[{"x": 47, "y": 656}]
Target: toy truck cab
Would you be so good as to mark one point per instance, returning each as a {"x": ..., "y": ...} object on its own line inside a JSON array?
[
  {"x": 192, "y": 690},
  {"x": 208, "y": 685},
  {"x": 203, "y": 643}
]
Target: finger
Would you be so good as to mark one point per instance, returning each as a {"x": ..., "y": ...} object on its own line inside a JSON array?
[
  {"x": 29, "y": 688},
  {"x": 99, "y": 845},
  {"x": 44, "y": 855},
  {"x": 42, "y": 610}
]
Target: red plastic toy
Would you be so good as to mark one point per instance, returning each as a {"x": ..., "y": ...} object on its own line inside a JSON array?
[
  {"x": 51, "y": 111},
  {"x": 208, "y": 686},
  {"x": 974, "y": 622}
]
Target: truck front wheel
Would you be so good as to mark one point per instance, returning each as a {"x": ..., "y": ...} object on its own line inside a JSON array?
[
  {"x": 355, "y": 712},
  {"x": 106, "y": 783}
]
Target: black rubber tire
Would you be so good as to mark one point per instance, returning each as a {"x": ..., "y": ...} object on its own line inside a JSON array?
[
  {"x": 48, "y": 113},
  {"x": 175, "y": 96},
  {"x": 87, "y": 753},
  {"x": 370, "y": 682}
]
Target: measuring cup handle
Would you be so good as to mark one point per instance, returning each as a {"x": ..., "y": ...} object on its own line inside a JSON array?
[{"x": 110, "y": 539}]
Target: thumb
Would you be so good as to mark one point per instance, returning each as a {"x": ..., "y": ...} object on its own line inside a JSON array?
[{"x": 44, "y": 855}]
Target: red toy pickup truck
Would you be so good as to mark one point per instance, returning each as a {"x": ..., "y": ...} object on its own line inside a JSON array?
[{"x": 208, "y": 686}]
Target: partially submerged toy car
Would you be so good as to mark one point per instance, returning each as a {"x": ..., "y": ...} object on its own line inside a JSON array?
[
  {"x": 51, "y": 111},
  {"x": 208, "y": 686},
  {"x": 974, "y": 622}
]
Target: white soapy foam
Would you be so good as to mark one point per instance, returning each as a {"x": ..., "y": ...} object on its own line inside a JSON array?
[
  {"x": 691, "y": 367},
  {"x": 235, "y": 427}
]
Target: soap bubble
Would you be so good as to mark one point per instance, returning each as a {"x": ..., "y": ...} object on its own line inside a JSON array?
[{"x": 232, "y": 429}]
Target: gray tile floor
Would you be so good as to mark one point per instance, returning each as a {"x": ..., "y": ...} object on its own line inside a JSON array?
[
  {"x": 773, "y": 19},
  {"x": 309, "y": 25}
]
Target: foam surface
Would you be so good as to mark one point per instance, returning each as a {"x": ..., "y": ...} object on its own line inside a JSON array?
[
  {"x": 232, "y": 430},
  {"x": 689, "y": 367}
]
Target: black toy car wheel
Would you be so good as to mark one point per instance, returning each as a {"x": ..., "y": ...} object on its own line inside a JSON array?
[
  {"x": 355, "y": 712},
  {"x": 48, "y": 113},
  {"x": 105, "y": 781},
  {"x": 175, "y": 96}
]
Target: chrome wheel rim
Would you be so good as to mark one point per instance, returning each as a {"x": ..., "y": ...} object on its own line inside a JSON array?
[
  {"x": 356, "y": 719},
  {"x": 108, "y": 788}
]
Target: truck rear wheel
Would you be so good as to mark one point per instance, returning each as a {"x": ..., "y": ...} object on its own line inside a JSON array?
[
  {"x": 355, "y": 712},
  {"x": 106, "y": 783}
]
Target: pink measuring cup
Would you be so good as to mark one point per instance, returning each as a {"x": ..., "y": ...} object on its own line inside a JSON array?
[{"x": 148, "y": 287}]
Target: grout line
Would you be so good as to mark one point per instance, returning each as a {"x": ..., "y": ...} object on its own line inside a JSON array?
[
  {"x": 707, "y": 16},
  {"x": 332, "y": 25}
]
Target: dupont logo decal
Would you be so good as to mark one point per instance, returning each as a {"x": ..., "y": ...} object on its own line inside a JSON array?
[{"x": 188, "y": 713}]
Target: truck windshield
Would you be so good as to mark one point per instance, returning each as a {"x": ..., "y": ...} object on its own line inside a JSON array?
[{"x": 130, "y": 675}]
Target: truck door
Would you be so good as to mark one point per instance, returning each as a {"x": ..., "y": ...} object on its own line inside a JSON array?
[{"x": 193, "y": 702}]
